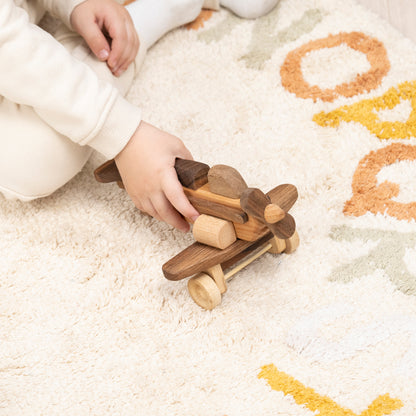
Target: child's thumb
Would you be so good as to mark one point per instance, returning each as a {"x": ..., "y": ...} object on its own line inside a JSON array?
[{"x": 96, "y": 41}]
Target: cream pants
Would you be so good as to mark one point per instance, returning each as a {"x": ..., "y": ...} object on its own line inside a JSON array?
[{"x": 35, "y": 160}]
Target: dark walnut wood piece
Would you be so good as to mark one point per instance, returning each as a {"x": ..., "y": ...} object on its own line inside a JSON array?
[
  {"x": 284, "y": 195},
  {"x": 226, "y": 181},
  {"x": 203, "y": 206},
  {"x": 107, "y": 172},
  {"x": 191, "y": 174},
  {"x": 253, "y": 201},
  {"x": 199, "y": 257}
]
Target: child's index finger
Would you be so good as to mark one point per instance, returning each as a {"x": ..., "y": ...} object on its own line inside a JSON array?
[
  {"x": 118, "y": 37},
  {"x": 176, "y": 196}
]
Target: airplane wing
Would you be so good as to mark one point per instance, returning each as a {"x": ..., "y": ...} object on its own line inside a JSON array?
[
  {"x": 284, "y": 195},
  {"x": 199, "y": 257}
]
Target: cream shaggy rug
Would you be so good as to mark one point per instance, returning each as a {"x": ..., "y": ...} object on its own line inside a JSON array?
[{"x": 320, "y": 94}]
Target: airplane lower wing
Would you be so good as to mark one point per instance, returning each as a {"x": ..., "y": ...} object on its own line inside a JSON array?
[{"x": 199, "y": 257}]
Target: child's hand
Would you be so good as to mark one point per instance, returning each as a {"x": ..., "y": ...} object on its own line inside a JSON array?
[
  {"x": 108, "y": 30},
  {"x": 146, "y": 166}
]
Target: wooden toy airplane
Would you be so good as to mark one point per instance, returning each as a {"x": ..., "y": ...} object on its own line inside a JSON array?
[{"x": 236, "y": 226}]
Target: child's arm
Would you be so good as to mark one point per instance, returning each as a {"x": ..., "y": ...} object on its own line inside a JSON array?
[
  {"x": 37, "y": 71},
  {"x": 147, "y": 167}
]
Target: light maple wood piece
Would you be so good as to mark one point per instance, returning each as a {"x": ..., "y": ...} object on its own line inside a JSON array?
[
  {"x": 248, "y": 260},
  {"x": 206, "y": 288},
  {"x": 292, "y": 243},
  {"x": 214, "y": 231},
  {"x": 249, "y": 231},
  {"x": 273, "y": 213},
  {"x": 204, "y": 291},
  {"x": 278, "y": 245},
  {"x": 217, "y": 274},
  {"x": 226, "y": 181}
]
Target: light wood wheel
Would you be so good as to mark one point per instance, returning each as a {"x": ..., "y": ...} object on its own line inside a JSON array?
[
  {"x": 204, "y": 291},
  {"x": 292, "y": 243},
  {"x": 278, "y": 245}
]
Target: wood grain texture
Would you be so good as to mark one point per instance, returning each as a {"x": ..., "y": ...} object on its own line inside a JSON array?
[
  {"x": 284, "y": 228},
  {"x": 204, "y": 193},
  {"x": 204, "y": 291},
  {"x": 292, "y": 243},
  {"x": 284, "y": 195},
  {"x": 203, "y": 206},
  {"x": 278, "y": 245},
  {"x": 254, "y": 202},
  {"x": 226, "y": 181},
  {"x": 247, "y": 250},
  {"x": 273, "y": 213},
  {"x": 248, "y": 231},
  {"x": 199, "y": 257},
  {"x": 217, "y": 274},
  {"x": 251, "y": 230},
  {"x": 191, "y": 174},
  {"x": 213, "y": 231}
]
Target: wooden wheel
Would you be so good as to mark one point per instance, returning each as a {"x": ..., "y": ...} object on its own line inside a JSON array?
[
  {"x": 278, "y": 245},
  {"x": 292, "y": 243},
  {"x": 204, "y": 291}
]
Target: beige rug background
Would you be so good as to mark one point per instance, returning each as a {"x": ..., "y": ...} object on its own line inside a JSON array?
[{"x": 89, "y": 325}]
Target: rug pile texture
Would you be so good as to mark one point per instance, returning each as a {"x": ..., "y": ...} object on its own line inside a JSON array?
[{"x": 320, "y": 94}]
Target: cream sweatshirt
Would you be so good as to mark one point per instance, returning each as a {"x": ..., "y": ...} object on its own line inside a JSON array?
[{"x": 39, "y": 72}]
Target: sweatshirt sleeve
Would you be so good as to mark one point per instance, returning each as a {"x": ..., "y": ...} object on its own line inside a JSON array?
[
  {"x": 61, "y": 9},
  {"x": 39, "y": 72}
]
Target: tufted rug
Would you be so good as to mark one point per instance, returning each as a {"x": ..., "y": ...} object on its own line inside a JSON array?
[{"x": 320, "y": 94}]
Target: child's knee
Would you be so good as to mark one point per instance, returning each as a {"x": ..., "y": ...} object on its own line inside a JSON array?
[
  {"x": 35, "y": 160},
  {"x": 188, "y": 9},
  {"x": 250, "y": 9},
  {"x": 41, "y": 175}
]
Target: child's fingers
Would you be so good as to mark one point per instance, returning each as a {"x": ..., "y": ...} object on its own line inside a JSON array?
[
  {"x": 149, "y": 208},
  {"x": 96, "y": 40},
  {"x": 124, "y": 43},
  {"x": 118, "y": 33},
  {"x": 118, "y": 40},
  {"x": 129, "y": 53},
  {"x": 123, "y": 50},
  {"x": 176, "y": 196},
  {"x": 168, "y": 213}
]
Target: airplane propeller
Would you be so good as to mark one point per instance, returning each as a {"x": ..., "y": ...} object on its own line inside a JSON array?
[{"x": 271, "y": 209}]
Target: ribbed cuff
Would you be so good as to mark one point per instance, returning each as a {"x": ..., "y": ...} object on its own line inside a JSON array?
[{"x": 119, "y": 127}]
